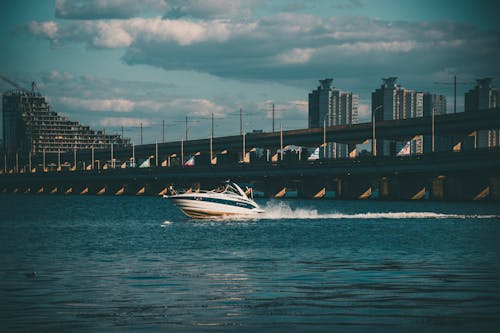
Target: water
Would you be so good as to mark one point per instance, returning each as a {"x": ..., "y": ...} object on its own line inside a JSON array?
[{"x": 100, "y": 264}]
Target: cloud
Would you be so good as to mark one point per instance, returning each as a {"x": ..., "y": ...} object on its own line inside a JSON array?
[
  {"x": 124, "y": 121},
  {"x": 124, "y": 9},
  {"x": 197, "y": 107},
  {"x": 284, "y": 46},
  {"x": 105, "y": 9},
  {"x": 114, "y": 105},
  {"x": 209, "y": 9},
  {"x": 123, "y": 33}
]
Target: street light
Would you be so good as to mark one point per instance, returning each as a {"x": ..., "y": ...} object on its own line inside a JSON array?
[
  {"x": 374, "y": 137},
  {"x": 432, "y": 129}
]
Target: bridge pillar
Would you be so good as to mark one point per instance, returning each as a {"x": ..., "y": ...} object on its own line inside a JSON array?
[
  {"x": 495, "y": 188},
  {"x": 311, "y": 188},
  {"x": 275, "y": 189},
  {"x": 355, "y": 187},
  {"x": 409, "y": 187},
  {"x": 383, "y": 188},
  {"x": 469, "y": 187},
  {"x": 437, "y": 188}
]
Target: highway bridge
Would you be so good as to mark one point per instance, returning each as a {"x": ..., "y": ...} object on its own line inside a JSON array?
[
  {"x": 473, "y": 175},
  {"x": 463, "y": 174},
  {"x": 456, "y": 127}
]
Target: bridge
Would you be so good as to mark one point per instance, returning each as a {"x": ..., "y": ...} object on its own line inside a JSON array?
[
  {"x": 459, "y": 128},
  {"x": 459, "y": 174}
]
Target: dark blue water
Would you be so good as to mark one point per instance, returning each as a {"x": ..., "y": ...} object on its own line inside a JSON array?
[{"x": 137, "y": 264}]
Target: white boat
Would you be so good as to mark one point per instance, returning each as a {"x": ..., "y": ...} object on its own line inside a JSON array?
[{"x": 229, "y": 199}]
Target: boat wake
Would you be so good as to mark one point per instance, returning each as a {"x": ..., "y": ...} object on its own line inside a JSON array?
[{"x": 283, "y": 211}]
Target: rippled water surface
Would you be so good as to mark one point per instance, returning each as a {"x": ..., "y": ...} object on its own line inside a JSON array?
[{"x": 99, "y": 264}]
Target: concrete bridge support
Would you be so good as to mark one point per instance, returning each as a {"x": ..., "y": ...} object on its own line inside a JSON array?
[
  {"x": 275, "y": 188},
  {"x": 355, "y": 187},
  {"x": 495, "y": 188},
  {"x": 383, "y": 188},
  {"x": 470, "y": 187},
  {"x": 409, "y": 187},
  {"x": 437, "y": 188},
  {"x": 312, "y": 188}
]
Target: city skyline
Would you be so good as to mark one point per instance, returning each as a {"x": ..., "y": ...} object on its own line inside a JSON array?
[{"x": 109, "y": 64}]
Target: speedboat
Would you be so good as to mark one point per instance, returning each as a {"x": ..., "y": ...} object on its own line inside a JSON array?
[{"x": 228, "y": 199}]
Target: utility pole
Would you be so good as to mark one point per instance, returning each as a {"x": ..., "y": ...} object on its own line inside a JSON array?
[
  {"x": 244, "y": 148},
  {"x": 455, "y": 94},
  {"x": 273, "y": 117},
  {"x": 141, "y": 133},
  {"x": 187, "y": 128},
  {"x": 454, "y": 83},
  {"x": 156, "y": 153},
  {"x": 212, "y": 125},
  {"x": 281, "y": 141},
  {"x": 182, "y": 152},
  {"x": 241, "y": 122},
  {"x": 324, "y": 138},
  {"x": 211, "y": 149},
  {"x": 374, "y": 137},
  {"x": 432, "y": 130},
  {"x": 133, "y": 154}
]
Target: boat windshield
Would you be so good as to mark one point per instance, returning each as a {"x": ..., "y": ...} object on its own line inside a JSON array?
[{"x": 232, "y": 190}]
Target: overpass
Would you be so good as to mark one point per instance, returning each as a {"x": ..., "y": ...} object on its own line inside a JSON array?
[
  {"x": 458, "y": 127},
  {"x": 473, "y": 175}
]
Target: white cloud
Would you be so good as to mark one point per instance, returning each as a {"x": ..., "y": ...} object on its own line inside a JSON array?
[
  {"x": 114, "y": 105},
  {"x": 124, "y": 121},
  {"x": 284, "y": 46},
  {"x": 122, "y": 33},
  {"x": 47, "y": 30},
  {"x": 197, "y": 107},
  {"x": 382, "y": 46},
  {"x": 296, "y": 56}
]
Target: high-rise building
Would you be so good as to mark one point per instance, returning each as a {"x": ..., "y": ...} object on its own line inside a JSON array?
[
  {"x": 437, "y": 104},
  {"x": 29, "y": 125},
  {"x": 484, "y": 97},
  {"x": 329, "y": 106},
  {"x": 392, "y": 101}
]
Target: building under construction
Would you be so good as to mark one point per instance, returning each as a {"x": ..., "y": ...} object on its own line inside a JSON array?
[{"x": 29, "y": 125}]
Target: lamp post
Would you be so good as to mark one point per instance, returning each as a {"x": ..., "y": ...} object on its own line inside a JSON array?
[
  {"x": 374, "y": 137},
  {"x": 324, "y": 138},
  {"x": 281, "y": 142},
  {"x": 432, "y": 129}
]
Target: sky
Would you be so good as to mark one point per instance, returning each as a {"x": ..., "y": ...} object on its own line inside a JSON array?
[{"x": 114, "y": 63}]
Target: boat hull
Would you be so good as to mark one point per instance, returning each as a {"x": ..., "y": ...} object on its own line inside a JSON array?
[{"x": 209, "y": 206}]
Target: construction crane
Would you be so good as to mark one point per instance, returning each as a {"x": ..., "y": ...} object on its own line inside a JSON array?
[
  {"x": 17, "y": 86},
  {"x": 454, "y": 83},
  {"x": 12, "y": 83}
]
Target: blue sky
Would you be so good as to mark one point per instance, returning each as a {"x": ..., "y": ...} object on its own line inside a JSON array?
[{"x": 113, "y": 63}]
